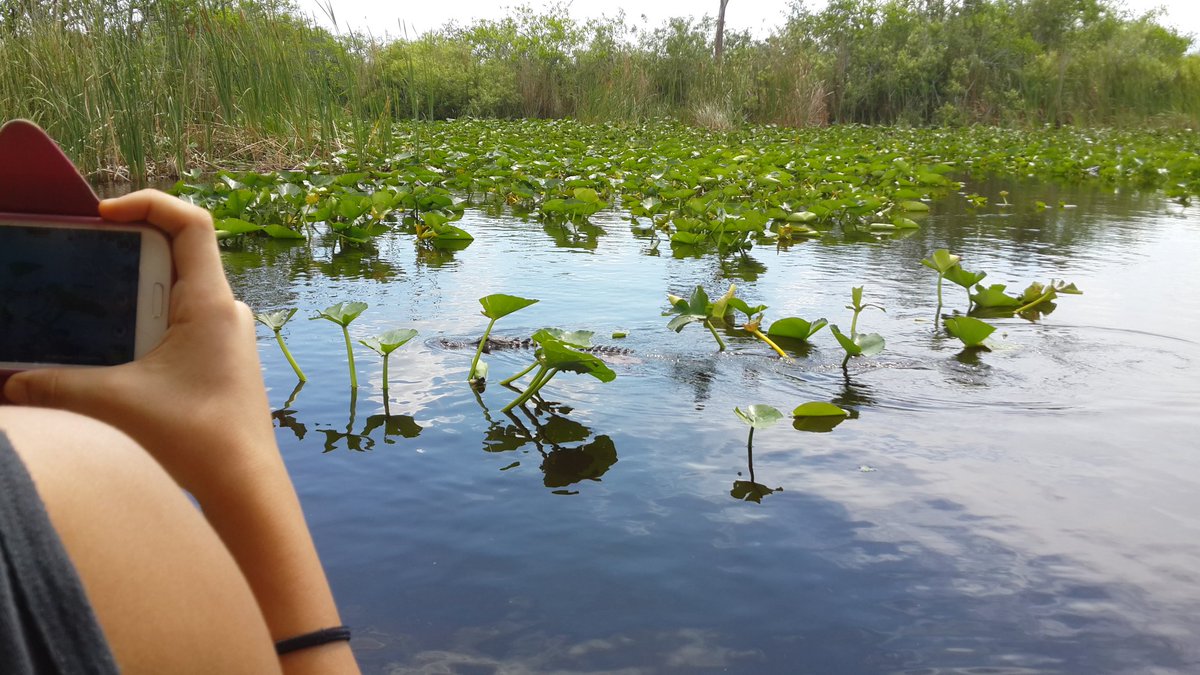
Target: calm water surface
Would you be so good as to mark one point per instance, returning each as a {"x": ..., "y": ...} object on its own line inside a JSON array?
[{"x": 1029, "y": 509}]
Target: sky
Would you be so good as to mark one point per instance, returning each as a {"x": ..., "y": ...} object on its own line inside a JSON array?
[{"x": 759, "y": 16}]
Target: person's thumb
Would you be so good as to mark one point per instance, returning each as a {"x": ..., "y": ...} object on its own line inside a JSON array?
[{"x": 74, "y": 389}]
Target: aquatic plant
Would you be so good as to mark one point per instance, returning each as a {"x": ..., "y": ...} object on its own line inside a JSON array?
[
  {"x": 343, "y": 313},
  {"x": 387, "y": 343},
  {"x": 555, "y": 355},
  {"x": 857, "y": 344},
  {"x": 1038, "y": 293},
  {"x": 970, "y": 330},
  {"x": 757, "y": 416},
  {"x": 857, "y": 305},
  {"x": 495, "y": 307},
  {"x": 276, "y": 320},
  {"x": 942, "y": 261},
  {"x": 868, "y": 344},
  {"x": 1035, "y": 296},
  {"x": 698, "y": 308}
]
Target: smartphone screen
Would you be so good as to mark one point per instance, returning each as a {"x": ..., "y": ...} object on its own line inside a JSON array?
[{"x": 68, "y": 295}]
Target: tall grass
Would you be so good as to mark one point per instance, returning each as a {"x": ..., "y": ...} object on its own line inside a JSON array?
[{"x": 186, "y": 84}]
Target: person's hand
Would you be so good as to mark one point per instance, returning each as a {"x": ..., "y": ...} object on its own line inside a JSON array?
[{"x": 197, "y": 401}]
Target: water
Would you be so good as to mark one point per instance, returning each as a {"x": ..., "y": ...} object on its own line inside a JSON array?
[{"x": 1028, "y": 509}]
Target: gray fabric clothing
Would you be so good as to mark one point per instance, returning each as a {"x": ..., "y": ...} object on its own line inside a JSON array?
[{"x": 47, "y": 626}]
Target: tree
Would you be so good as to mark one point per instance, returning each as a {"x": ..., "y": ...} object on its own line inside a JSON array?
[{"x": 719, "y": 42}]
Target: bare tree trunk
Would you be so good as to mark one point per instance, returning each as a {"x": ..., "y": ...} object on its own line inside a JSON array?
[{"x": 719, "y": 42}]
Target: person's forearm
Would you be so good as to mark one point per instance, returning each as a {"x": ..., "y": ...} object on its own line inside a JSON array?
[{"x": 261, "y": 523}]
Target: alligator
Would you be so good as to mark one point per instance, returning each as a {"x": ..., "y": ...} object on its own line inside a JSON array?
[{"x": 495, "y": 343}]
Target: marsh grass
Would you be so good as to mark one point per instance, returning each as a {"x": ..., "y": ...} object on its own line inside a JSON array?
[{"x": 187, "y": 85}]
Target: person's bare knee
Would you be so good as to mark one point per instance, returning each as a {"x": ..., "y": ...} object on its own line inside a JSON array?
[{"x": 165, "y": 590}]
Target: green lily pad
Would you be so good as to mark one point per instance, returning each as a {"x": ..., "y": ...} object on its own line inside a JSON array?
[
  {"x": 795, "y": 327},
  {"x": 500, "y": 305},
  {"x": 277, "y": 319},
  {"x": 970, "y": 330},
  {"x": 759, "y": 416},
  {"x": 342, "y": 313},
  {"x": 390, "y": 341}
]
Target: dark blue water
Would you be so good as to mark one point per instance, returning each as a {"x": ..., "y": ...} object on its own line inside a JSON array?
[{"x": 1028, "y": 509}]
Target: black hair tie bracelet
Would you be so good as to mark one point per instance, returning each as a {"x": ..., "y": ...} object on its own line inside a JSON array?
[{"x": 313, "y": 639}]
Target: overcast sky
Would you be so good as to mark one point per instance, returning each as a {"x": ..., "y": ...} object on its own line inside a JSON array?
[{"x": 385, "y": 16}]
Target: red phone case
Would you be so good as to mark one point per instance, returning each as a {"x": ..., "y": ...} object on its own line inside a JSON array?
[
  {"x": 37, "y": 178},
  {"x": 38, "y": 181}
]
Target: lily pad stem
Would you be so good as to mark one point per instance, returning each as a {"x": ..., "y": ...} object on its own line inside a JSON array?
[
  {"x": 288, "y": 355},
  {"x": 350, "y": 358},
  {"x": 1042, "y": 298},
  {"x": 539, "y": 380},
  {"x": 385, "y": 374},
  {"x": 759, "y": 334},
  {"x": 720, "y": 342},
  {"x": 479, "y": 352},
  {"x": 523, "y": 373}
]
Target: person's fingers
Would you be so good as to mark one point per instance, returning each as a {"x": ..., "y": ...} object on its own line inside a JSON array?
[
  {"x": 194, "y": 243},
  {"x": 78, "y": 390}
]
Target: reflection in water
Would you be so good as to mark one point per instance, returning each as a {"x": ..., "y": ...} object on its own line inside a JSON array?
[
  {"x": 562, "y": 464},
  {"x": 751, "y": 490},
  {"x": 286, "y": 417},
  {"x": 568, "y": 234},
  {"x": 743, "y": 267},
  {"x": 403, "y": 426},
  {"x": 697, "y": 373},
  {"x": 356, "y": 442},
  {"x": 853, "y": 396}
]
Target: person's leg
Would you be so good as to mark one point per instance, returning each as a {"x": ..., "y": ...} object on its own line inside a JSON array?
[{"x": 167, "y": 593}]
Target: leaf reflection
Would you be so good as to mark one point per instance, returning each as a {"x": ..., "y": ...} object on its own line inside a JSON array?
[{"x": 568, "y": 456}]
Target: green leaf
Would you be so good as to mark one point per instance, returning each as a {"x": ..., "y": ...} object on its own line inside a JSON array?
[
  {"x": 500, "y": 305},
  {"x": 342, "y": 313},
  {"x": 235, "y": 226},
  {"x": 749, "y": 310},
  {"x": 870, "y": 343},
  {"x": 759, "y": 416},
  {"x": 801, "y": 217},
  {"x": 586, "y": 195},
  {"x": 796, "y": 328},
  {"x": 557, "y": 354},
  {"x": 915, "y": 207},
  {"x": 578, "y": 338},
  {"x": 961, "y": 277},
  {"x": 277, "y": 319},
  {"x": 941, "y": 260},
  {"x": 863, "y": 344},
  {"x": 818, "y": 409},
  {"x": 389, "y": 341},
  {"x": 970, "y": 330},
  {"x": 993, "y": 296},
  {"x": 281, "y": 232},
  {"x": 720, "y": 308},
  {"x": 845, "y": 341}
]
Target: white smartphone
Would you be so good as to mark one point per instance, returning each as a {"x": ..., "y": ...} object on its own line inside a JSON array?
[{"x": 80, "y": 292}]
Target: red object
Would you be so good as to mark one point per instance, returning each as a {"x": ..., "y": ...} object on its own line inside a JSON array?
[{"x": 37, "y": 178}]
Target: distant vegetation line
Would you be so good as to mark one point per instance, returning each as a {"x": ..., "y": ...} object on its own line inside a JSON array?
[{"x": 143, "y": 88}]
